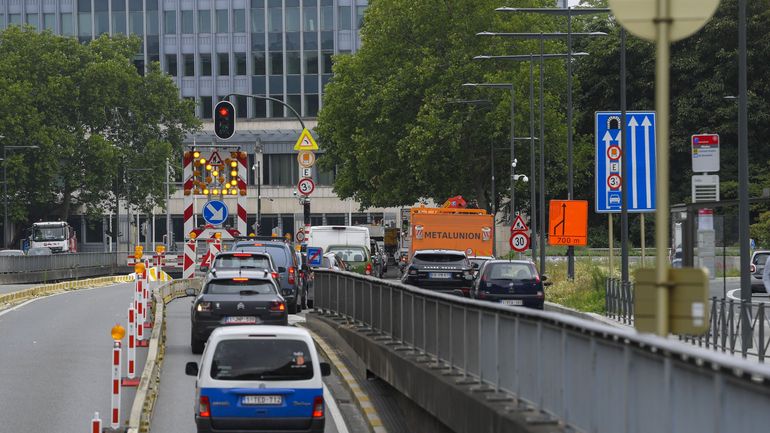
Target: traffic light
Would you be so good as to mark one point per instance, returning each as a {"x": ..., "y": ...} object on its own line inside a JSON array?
[{"x": 224, "y": 120}]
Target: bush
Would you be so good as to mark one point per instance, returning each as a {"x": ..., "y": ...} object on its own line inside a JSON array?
[{"x": 585, "y": 293}]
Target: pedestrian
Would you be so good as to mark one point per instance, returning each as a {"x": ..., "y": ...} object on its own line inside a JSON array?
[{"x": 766, "y": 275}]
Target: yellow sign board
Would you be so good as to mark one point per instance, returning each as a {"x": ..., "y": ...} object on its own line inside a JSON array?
[{"x": 306, "y": 141}]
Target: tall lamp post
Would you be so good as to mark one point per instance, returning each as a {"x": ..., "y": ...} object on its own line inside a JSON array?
[{"x": 5, "y": 188}]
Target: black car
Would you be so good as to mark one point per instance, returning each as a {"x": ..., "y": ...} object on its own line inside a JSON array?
[
  {"x": 285, "y": 260},
  {"x": 441, "y": 270},
  {"x": 236, "y": 297},
  {"x": 510, "y": 282}
]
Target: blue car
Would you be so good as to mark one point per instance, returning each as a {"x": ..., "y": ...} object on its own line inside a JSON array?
[
  {"x": 258, "y": 379},
  {"x": 510, "y": 282}
]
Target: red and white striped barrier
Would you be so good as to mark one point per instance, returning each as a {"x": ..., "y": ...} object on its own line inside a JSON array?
[
  {"x": 188, "y": 268},
  {"x": 115, "y": 401},
  {"x": 140, "y": 306},
  {"x": 146, "y": 298},
  {"x": 96, "y": 423},
  {"x": 131, "y": 379}
]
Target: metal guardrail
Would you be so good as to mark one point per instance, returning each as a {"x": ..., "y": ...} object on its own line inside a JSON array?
[
  {"x": 619, "y": 300},
  {"x": 592, "y": 377},
  {"x": 14, "y": 264}
]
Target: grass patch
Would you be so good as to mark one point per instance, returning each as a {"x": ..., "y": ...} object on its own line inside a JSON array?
[{"x": 585, "y": 293}]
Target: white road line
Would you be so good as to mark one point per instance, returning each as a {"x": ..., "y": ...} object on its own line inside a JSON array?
[
  {"x": 631, "y": 180},
  {"x": 646, "y": 124},
  {"x": 334, "y": 411},
  {"x": 52, "y": 295},
  {"x": 731, "y": 296}
]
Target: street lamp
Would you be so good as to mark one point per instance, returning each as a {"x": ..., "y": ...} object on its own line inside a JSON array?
[{"x": 5, "y": 188}]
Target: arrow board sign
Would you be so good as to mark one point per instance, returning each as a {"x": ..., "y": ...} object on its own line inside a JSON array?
[
  {"x": 640, "y": 134},
  {"x": 306, "y": 141},
  {"x": 215, "y": 212}
]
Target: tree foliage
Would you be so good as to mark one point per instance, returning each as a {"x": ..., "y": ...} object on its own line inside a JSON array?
[{"x": 94, "y": 119}]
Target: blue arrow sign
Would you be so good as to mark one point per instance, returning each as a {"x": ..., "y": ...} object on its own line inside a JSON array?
[
  {"x": 640, "y": 134},
  {"x": 215, "y": 212},
  {"x": 314, "y": 256}
]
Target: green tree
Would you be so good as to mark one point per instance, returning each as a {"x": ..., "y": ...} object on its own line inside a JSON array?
[{"x": 92, "y": 116}]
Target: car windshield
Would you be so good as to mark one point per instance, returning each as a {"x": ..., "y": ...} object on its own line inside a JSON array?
[
  {"x": 761, "y": 258},
  {"x": 235, "y": 261},
  {"x": 234, "y": 287},
  {"x": 510, "y": 271},
  {"x": 350, "y": 254},
  {"x": 263, "y": 359},
  {"x": 438, "y": 257},
  {"x": 42, "y": 234}
]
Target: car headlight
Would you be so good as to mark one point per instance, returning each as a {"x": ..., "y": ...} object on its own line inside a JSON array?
[{"x": 203, "y": 307}]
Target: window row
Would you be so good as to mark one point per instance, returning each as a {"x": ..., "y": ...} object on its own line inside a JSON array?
[
  {"x": 272, "y": 64},
  {"x": 305, "y": 105}
]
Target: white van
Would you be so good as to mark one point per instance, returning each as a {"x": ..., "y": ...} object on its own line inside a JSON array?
[
  {"x": 324, "y": 236},
  {"x": 259, "y": 378}
]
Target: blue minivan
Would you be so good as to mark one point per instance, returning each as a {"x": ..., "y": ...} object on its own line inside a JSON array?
[{"x": 259, "y": 378}]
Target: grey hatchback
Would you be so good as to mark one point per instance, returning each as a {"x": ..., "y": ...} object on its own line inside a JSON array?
[{"x": 286, "y": 262}]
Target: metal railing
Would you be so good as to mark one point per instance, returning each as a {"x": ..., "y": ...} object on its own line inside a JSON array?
[
  {"x": 15, "y": 264},
  {"x": 595, "y": 378},
  {"x": 619, "y": 300}
]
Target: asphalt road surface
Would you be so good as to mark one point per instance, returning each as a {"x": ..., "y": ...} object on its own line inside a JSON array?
[
  {"x": 55, "y": 360},
  {"x": 174, "y": 408}
]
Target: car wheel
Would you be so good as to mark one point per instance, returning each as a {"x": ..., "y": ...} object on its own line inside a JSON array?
[
  {"x": 310, "y": 303},
  {"x": 196, "y": 345},
  {"x": 293, "y": 307}
]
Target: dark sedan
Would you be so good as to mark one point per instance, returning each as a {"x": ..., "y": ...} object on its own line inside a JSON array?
[
  {"x": 510, "y": 282},
  {"x": 236, "y": 298},
  {"x": 441, "y": 270}
]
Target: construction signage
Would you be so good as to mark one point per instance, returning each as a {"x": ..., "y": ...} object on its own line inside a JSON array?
[{"x": 568, "y": 222}]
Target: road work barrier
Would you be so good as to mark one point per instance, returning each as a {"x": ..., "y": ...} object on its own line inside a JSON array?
[
  {"x": 48, "y": 289},
  {"x": 586, "y": 375},
  {"x": 147, "y": 391},
  {"x": 33, "y": 269}
]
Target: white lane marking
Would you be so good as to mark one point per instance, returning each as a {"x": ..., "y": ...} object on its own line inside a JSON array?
[
  {"x": 52, "y": 295},
  {"x": 334, "y": 411},
  {"x": 731, "y": 296}
]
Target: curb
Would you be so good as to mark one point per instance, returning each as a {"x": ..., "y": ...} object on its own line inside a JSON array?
[
  {"x": 9, "y": 299},
  {"x": 362, "y": 400}
]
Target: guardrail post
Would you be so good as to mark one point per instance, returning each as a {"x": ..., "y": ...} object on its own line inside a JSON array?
[
  {"x": 742, "y": 319},
  {"x": 761, "y": 339},
  {"x": 731, "y": 318}
]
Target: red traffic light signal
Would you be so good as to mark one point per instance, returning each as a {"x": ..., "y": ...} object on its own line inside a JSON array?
[{"x": 224, "y": 120}]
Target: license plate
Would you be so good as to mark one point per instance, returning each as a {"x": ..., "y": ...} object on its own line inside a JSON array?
[
  {"x": 262, "y": 400},
  {"x": 440, "y": 275},
  {"x": 240, "y": 320},
  {"x": 512, "y": 302}
]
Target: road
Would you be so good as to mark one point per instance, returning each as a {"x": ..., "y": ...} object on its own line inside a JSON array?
[
  {"x": 55, "y": 360},
  {"x": 174, "y": 409}
]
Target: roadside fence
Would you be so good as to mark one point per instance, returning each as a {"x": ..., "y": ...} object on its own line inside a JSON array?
[{"x": 53, "y": 262}]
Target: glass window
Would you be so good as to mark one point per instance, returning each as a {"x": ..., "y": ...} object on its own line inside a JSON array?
[
  {"x": 293, "y": 41},
  {"x": 327, "y": 41},
  {"x": 258, "y": 42},
  {"x": 204, "y": 21},
  {"x": 16, "y": 19},
  {"x": 326, "y": 62},
  {"x": 118, "y": 22},
  {"x": 169, "y": 22},
  {"x": 67, "y": 28},
  {"x": 206, "y": 108},
  {"x": 311, "y": 83},
  {"x": 310, "y": 18},
  {"x": 224, "y": 63},
  {"x": 295, "y": 101},
  {"x": 311, "y": 41},
  {"x": 101, "y": 23},
  {"x": 327, "y": 18},
  {"x": 311, "y": 62},
  {"x": 84, "y": 24},
  {"x": 153, "y": 26},
  {"x": 187, "y": 22},
  {"x": 136, "y": 23},
  {"x": 259, "y": 64},
  {"x": 293, "y": 63},
  {"x": 258, "y": 3},
  {"x": 264, "y": 360},
  {"x": 135, "y": 5},
  {"x": 292, "y": 20},
  {"x": 241, "y": 107},
  {"x": 257, "y": 20},
  {"x": 33, "y": 19},
  {"x": 277, "y": 110},
  {"x": 293, "y": 84},
  {"x": 275, "y": 41},
  {"x": 239, "y": 20},
  {"x": 360, "y": 15},
  {"x": 280, "y": 169},
  {"x": 221, "y": 15},
  {"x": 276, "y": 63},
  {"x": 274, "y": 20},
  {"x": 323, "y": 177},
  {"x": 171, "y": 64},
  {"x": 240, "y": 63},
  {"x": 189, "y": 65},
  {"x": 2, "y": 21},
  {"x": 205, "y": 65},
  {"x": 344, "y": 18},
  {"x": 84, "y": 5},
  {"x": 152, "y": 5},
  {"x": 118, "y": 5},
  {"x": 260, "y": 109}
]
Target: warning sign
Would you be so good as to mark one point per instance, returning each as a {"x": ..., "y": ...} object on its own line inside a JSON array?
[
  {"x": 568, "y": 222},
  {"x": 306, "y": 141},
  {"x": 519, "y": 225},
  {"x": 215, "y": 159}
]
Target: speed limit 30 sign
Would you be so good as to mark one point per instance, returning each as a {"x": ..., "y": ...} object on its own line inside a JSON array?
[
  {"x": 306, "y": 186},
  {"x": 519, "y": 241}
]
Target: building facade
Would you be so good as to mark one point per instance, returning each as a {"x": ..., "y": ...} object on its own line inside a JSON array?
[{"x": 212, "y": 49}]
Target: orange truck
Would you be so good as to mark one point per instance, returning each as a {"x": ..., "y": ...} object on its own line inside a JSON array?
[{"x": 468, "y": 230}]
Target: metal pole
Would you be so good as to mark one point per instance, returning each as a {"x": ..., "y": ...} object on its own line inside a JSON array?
[
  {"x": 542, "y": 167},
  {"x": 513, "y": 161},
  {"x": 662, "y": 76},
  {"x": 5, "y": 197},
  {"x": 570, "y": 173},
  {"x": 626, "y": 162},
  {"x": 168, "y": 208},
  {"x": 533, "y": 178},
  {"x": 743, "y": 169},
  {"x": 492, "y": 204},
  {"x": 259, "y": 197},
  {"x": 643, "y": 240},
  {"x": 610, "y": 241}
]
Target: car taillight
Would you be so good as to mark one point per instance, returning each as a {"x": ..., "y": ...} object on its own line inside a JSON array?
[
  {"x": 753, "y": 268},
  {"x": 292, "y": 275},
  {"x": 203, "y": 307},
  {"x": 539, "y": 294},
  {"x": 412, "y": 271},
  {"x": 275, "y": 275},
  {"x": 537, "y": 278},
  {"x": 368, "y": 269},
  {"x": 205, "y": 411},
  {"x": 277, "y": 306},
  {"x": 318, "y": 407}
]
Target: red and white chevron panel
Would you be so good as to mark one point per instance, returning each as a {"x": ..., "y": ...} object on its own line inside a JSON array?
[
  {"x": 243, "y": 173},
  {"x": 188, "y": 197},
  {"x": 188, "y": 266}
]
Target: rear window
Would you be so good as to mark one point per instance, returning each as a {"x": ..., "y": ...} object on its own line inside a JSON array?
[
  {"x": 230, "y": 287},
  {"x": 760, "y": 259},
  {"x": 268, "y": 359},
  {"x": 236, "y": 262},
  {"x": 277, "y": 252},
  {"x": 438, "y": 257},
  {"x": 350, "y": 254},
  {"x": 510, "y": 271}
]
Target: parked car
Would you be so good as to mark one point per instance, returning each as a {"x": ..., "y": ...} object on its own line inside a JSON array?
[
  {"x": 285, "y": 260},
  {"x": 235, "y": 297},
  {"x": 510, "y": 282},
  {"x": 259, "y": 378},
  {"x": 358, "y": 258},
  {"x": 440, "y": 270},
  {"x": 242, "y": 260},
  {"x": 758, "y": 260}
]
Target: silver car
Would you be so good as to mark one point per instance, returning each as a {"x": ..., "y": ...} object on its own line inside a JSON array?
[{"x": 758, "y": 260}]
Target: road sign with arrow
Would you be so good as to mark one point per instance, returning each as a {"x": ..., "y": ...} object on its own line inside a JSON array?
[
  {"x": 568, "y": 222},
  {"x": 215, "y": 212}
]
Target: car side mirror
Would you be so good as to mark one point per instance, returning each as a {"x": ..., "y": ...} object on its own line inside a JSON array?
[
  {"x": 191, "y": 369},
  {"x": 544, "y": 277},
  {"x": 326, "y": 369},
  {"x": 189, "y": 291}
]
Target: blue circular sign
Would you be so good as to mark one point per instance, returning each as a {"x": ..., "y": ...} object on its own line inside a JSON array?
[{"x": 215, "y": 212}]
